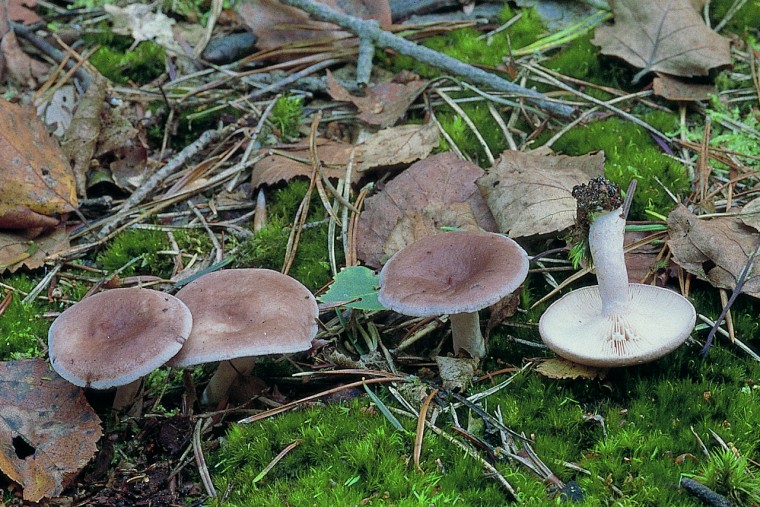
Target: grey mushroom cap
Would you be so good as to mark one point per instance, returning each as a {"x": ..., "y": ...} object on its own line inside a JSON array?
[
  {"x": 246, "y": 313},
  {"x": 115, "y": 337},
  {"x": 656, "y": 322},
  {"x": 451, "y": 273}
]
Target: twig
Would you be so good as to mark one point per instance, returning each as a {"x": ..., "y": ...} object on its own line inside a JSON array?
[
  {"x": 705, "y": 494},
  {"x": 421, "y": 419},
  {"x": 737, "y": 341},
  {"x": 734, "y": 295},
  {"x": 200, "y": 460},
  {"x": 371, "y": 30},
  {"x": 146, "y": 188}
]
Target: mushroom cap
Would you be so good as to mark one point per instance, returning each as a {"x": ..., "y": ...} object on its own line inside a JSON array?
[
  {"x": 115, "y": 337},
  {"x": 656, "y": 322},
  {"x": 453, "y": 272},
  {"x": 245, "y": 313}
]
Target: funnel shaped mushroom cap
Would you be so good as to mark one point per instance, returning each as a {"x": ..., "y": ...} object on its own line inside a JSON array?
[
  {"x": 453, "y": 272},
  {"x": 657, "y": 321},
  {"x": 115, "y": 337},
  {"x": 245, "y": 313}
]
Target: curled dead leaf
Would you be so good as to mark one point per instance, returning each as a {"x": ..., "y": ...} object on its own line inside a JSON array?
[
  {"x": 715, "y": 250},
  {"x": 530, "y": 194}
]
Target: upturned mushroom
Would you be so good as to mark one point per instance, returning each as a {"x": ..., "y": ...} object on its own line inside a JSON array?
[
  {"x": 116, "y": 337},
  {"x": 454, "y": 274},
  {"x": 240, "y": 314},
  {"x": 615, "y": 323}
]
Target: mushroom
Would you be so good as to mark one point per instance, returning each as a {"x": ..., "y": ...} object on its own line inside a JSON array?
[
  {"x": 116, "y": 337},
  {"x": 454, "y": 273},
  {"x": 615, "y": 323},
  {"x": 239, "y": 314}
]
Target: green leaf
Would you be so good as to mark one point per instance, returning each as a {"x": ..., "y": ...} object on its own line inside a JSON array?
[{"x": 357, "y": 286}]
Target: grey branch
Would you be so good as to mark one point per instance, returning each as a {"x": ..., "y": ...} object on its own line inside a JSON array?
[{"x": 370, "y": 30}]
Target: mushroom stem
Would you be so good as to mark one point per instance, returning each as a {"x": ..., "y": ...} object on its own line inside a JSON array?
[
  {"x": 465, "y": 332},
  {"x": 128, "y": 396},
  {"x": 223, "y": 377},
  {"x": 605, "y": 241}
]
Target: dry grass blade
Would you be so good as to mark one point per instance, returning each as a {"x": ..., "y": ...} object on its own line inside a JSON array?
[
  {"x": 275, "y": 460},
  {"x": 420, "y": 432},
  {"x": 293, "y": 404},
  {"x": 200, "y": 460}
]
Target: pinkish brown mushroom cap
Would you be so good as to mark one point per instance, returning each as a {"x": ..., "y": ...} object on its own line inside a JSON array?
[
  {"x": 246, "y": 313},
  {"x": 655, "y": 322},
  {"x": 452, "y": 273},
  {"x": 116, "y": 337}
]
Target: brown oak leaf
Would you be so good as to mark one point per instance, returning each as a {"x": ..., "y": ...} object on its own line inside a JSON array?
[
  {"x": 663, "y": 36},
  {"x": 432, "y": 193},
  {"x": 530, "y": 194},
  {"x": 48, "y": 432},
  {"x": 715, "y": 250}
]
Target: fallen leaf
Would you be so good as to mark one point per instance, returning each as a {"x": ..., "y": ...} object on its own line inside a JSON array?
[
  {"x": 21, "y": 67},
  {"x": 356, "y": 286},
  {"x": 455, "y": 372},
  {"x": 560, "y": 369},
  {"x": 382, "y": 104},
  {"x": 22, "y": 11},
  {"x": 81, "y": 137},
  {"x": 142, "y": 23},
  {"x": 530, "y": 194},
  {"x": 675, "y": 89},
  {"x": 502, "y": 310},
  {"x": 276, "y": 25},
  {"x": 47, "y": 429},
  {"x": 36, "y": 179},
  {"x": 715, "y": 250},
  {"x": 668, "y": 37},
  {"x": 58, "y": 111},
  {"x": 17, "y": 251},
  {"x": 390, "y": 147},
  {"x": 432, "y": 193},
  {"x": 750, "y": 214}
]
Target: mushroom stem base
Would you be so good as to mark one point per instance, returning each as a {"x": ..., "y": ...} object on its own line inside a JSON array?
[
  {"x": 223, "y": 377},
  {"x": 465, "y": 331},
  {"x": 129, "y": 398}
]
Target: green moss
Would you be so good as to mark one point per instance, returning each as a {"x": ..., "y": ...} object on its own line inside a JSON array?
[
  {"x": 463, "y": 136},
  {"x": 286, "y": 115},
  {"x": 141, "y": 65},
  {"x": 744, "y": 21},
  {"x": 139, "y": 247},
  {"x": 267, "y": 248},
  {"x": 469, "y": 46},
  {"x": 726, "y": 473},
  {"x": 631, "y": 153},
  {"x": 23, "y": 330}
]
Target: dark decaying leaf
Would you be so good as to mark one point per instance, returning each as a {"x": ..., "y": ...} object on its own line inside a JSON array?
[
  {"x": 432, "y": 193},
  {"x": 676, "y": 89},
  {"x": 17, "y": 251},
  {"x": 715, "y": 250},
  {"x": 530, "y": 194},
  {"x": 382, "y": 104},
  {"x": 48, "y": 431},
  {"x": 662, "y": 36}
]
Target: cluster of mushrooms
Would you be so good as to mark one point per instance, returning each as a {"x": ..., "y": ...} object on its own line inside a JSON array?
[{"x": 114, "y": 338}]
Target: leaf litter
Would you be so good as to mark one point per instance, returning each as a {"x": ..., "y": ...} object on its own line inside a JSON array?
[{"x": 405, "y": 192}]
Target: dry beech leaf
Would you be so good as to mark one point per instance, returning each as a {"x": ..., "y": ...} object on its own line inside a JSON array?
[
  {"x": 276, "y": 25},
  {"x": 17, "y": 251},
  {"x": 81, "y": 137},
  {"x": 530, "y": 194},
  {"x": 58, "y": 111},
  {"x": 390, "y": 147},
  {"x": 563, "y": 369},
  {"x": 22, "y": 11},
  {"x": 714, "y": 250},
  {"x": 383, "y": 104},
  {"x": 662, "y": 36},
  {"x": 35, "y": 178},
  {"x": 750, "y": 214},
  {"x": 48, "y": 430},
  {"x": 432, "y": 193},
  {"x": 142, "y": 22}
]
